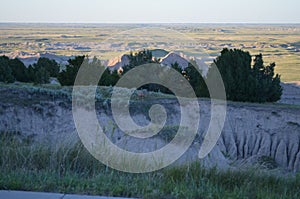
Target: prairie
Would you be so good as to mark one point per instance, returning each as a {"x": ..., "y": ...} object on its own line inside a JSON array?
[{"x": 277, "y": 42}]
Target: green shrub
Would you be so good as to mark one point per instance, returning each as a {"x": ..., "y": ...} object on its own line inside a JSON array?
[
  {"x": 267, "y": 162},
  {"x": 70, "y": 168},
  {"x": 244, "y": 82}
]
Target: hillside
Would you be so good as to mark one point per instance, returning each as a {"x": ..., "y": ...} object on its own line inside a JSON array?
[{"x": 254, "y": 134}]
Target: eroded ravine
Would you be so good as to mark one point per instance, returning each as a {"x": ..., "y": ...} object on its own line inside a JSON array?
[{"x": 251, "y": 131}]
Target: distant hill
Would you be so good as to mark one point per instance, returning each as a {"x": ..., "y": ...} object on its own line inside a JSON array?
[
  {"x": 173, "y": 58},
  {"x": 118, "y": 62},
  {"x": 31, "y": 58},
  {"x": 166, "y": 59}
]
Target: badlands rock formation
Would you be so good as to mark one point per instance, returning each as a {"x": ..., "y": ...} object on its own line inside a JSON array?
[
  {"x": 253, "y": 133},
  {"x": 172, "y": 58},
  {"x": 31, "y": 58},
  {"x": 118, "y": 62}
]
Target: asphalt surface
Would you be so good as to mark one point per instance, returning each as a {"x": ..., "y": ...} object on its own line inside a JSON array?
[{"x": 43, "y": 195}]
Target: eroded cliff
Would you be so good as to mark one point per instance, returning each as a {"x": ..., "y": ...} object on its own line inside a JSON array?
[{"x": 252, "y": 134}]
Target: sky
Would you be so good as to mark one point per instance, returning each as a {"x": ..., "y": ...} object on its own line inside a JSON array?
[{"x": 151, "y": 11}]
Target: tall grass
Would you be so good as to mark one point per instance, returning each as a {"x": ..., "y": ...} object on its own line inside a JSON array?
[{"x": 25, "y": 165}]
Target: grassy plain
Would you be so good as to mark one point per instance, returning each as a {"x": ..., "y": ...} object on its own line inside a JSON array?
[
  {"x": 71, "y": 169},
  {"x": 278, "y": 42}
]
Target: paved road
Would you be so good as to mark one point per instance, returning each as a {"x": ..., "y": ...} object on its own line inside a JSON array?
[{"x": 42, "y": 195}]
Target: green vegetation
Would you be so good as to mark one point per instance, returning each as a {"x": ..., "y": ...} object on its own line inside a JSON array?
[
  {"x": 267, "y": 162},
  {"x": 12, "y": 70},
  {"x": 138, "y": 58},
  {"x": 19, "y": 70},
  {"x": 5, "y": 71},
  {"x": 196, "y": 80},
  {"x": 67, "y": 77},
  {"x": 69, "y": 168},
  {"x": 244, "y": 82},
  {"x": 51, "y": 66},
  {"x": 145, "y": 57}
]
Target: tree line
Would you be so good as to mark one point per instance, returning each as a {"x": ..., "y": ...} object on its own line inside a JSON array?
[
  {"x": 245, "y": 79},
  {"x": 12, "y": 70}
]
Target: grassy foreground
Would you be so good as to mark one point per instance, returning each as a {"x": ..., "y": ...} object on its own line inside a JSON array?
[{"x": 71, "y": 169}]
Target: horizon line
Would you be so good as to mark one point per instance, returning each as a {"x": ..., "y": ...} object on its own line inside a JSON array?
[{"x": 140, "y": 23}]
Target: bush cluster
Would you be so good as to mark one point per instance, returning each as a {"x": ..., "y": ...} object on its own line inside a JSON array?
[
  {"x": 12, "y": 70},
  {"x": 244, "y": 79}
]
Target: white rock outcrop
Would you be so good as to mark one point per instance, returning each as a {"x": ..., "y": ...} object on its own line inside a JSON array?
[{"x": 251, "y": 131}]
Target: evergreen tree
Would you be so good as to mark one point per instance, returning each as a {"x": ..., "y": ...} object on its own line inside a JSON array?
[
  {"x": 196, "y": 80},
  {"x": 67, "y": 77},
  {"x": 176, "y": 67},
  {"x": 19, "y": 70},
  {"x": 244, "y": 82},
  {"x": 5, "y": 71},
  {"x": 41, "y": 76},
  {"x": 50, "y": 65},
  {"x": 30, "y": 73},
  {"x": 106, "y": 78},
  {"x": 114, "y": 78},
  {"x": 258, "y": 78},
  {"x": 139, "y": 58}
]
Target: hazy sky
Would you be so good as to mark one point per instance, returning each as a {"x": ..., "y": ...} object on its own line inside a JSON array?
[{"x": 162, "y": 11}]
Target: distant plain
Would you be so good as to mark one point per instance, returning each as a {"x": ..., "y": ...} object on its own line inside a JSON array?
[{"x": 279, "y": 43}]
